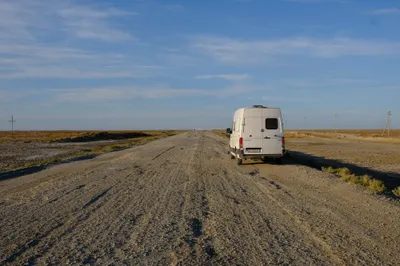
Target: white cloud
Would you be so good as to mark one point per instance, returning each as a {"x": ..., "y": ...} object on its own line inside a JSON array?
[
  {"x": 7, "y": 95},
  {"x": 41, "y": 61},
  {"x": 174, "y": 7},
  {"x": 101, "y": 94},
  {"x": 351, "y": 81},
  {"x": 26, "y": 20},
  {"x": 243, "y": 51},
  {"x": 91, "y": 23},
  {"x": 231, "y": 77},
  {"x": 287, "y": 99},
  {"x": 319, "y": 1},
  {"x": 385, "y": 11},
  {"x": 27, "y": 49}
]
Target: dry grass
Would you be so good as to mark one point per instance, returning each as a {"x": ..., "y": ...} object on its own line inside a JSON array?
[
  {"x": 50, "y": 136},
  {"x": 221, "y": 133},
  {"x": 356, "y": 135},
  {"x": 329, "y": 169},
  {"x": 356, "y": 132},
  {"x": 92, "y": 151},
  {"x": 365, "y": 180},
  {"x": 374, "y": 185},
  {"x": 396, "y": 192}
]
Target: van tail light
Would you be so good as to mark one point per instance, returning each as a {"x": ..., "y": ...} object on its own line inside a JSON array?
[
  {"x": 241, "y": 143},
  {"x": 283, "y": 141}
]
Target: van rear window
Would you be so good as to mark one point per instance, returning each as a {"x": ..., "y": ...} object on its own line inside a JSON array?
[{"x": 271, "y": 123}]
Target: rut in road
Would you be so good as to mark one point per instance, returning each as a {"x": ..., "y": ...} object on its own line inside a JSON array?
[{"x": 182, "y": 201}]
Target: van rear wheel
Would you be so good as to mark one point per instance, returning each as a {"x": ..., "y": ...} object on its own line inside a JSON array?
[
  {"x": 278, "y": 160},
  {"x": 238, "y": 159}
]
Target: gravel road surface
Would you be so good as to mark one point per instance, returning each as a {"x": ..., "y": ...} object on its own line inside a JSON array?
[{"x": 182, "y": 201}]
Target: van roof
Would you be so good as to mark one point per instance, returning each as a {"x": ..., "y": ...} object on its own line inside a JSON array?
[{"x": 261, "y": 106}]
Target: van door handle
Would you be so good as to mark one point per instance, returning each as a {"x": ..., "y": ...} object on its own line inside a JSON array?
[{"x": 267, "y": 137}]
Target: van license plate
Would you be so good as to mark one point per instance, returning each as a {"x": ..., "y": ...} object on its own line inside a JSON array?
[{"x": 253, "y": 150}]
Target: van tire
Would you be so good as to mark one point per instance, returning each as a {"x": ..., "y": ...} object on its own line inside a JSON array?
[
  {"x": 238, "y": 159},
  {"x": 279, "y": 160}
]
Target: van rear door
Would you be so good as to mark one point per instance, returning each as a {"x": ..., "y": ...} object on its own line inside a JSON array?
[
  {"x": 252, "y": 131},
  {"x": 272, "y": 135}
]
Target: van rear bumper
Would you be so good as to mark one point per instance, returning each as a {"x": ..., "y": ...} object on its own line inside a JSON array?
[
  {"x": 243, "y": 155},
  {"x": 260, "y": 156}
]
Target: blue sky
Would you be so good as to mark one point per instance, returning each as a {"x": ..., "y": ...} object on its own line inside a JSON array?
[{"x": 189, "y": 64}]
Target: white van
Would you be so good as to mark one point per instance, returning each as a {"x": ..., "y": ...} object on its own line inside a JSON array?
[{"x": 257, "y": 132}]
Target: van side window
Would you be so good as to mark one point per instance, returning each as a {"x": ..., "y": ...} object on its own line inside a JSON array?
[{"x": 271, "y": 123}]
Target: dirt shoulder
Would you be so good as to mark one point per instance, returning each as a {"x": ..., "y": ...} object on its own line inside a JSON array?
[
  {"x": 182, "y": 201},
  {"x": 33, "y": 149},
  {"x": 380, "y": 161}
]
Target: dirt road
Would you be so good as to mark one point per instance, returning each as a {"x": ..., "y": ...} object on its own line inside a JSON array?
[{"x": 182, "y": 201}]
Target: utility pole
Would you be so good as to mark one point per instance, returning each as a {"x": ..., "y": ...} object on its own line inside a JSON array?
[
  {"x": 12, "y": 121},
  {"x": 387, "y": 127}
]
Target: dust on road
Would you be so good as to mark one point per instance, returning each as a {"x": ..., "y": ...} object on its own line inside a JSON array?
[{"x": 182, "y": 201}]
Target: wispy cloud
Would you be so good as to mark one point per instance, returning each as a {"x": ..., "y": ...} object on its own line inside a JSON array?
[
  {"x": 101, "y": 94},
  {"x": 242, "y": 51},
  {"x": 384, "y": 11},
  {"x": 43, "y": 61},
  {"x": 174, "y": 7},
  {"x": 8, "y": 95},
  {"x": 92, "y": 23},
  {"x": 37, "y": 41},
  {"x": 26, "y": 20},
  {"x": 232, "y": 77},
  {"x": 319, "y": 1},
  {"x": 287, "y": 99}
]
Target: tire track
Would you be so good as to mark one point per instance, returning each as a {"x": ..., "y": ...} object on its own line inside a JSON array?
[{"x": 182, "y": 201}]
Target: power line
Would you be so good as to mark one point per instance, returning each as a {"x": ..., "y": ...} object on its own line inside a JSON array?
[{"x": 12, "y": 121}]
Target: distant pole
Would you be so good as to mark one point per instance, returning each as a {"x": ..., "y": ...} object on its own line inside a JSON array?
[
  {"x": 12, "y": 121},
  {"x": 387, "y": 127},
  {"x": 334, "y": 121}
]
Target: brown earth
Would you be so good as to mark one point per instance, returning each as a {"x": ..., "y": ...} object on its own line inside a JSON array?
[
  {"x": 378, "y": 156},
  {"x": 32, "y": 148},
  {"x": 353, "y": 135},
  {"x": 356, "y": 132},
  {"x": 182, "y": 201}
]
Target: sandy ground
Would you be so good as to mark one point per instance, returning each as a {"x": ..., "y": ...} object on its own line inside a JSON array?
[
  {"x": 383, "y": 157},
  {"x": 17, "y": 154},
  {"x": 182, "y": 201}
]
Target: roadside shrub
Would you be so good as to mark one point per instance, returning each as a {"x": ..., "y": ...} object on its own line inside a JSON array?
[
  {"x": 396, "y": 191},
  {"x": 376, "y": 186},
  {"x": 329, "y": 169},
  {"x": 365, "y": 179},
  {"x": 353, "y": 179},
  {"x": 343, "y": 172}
]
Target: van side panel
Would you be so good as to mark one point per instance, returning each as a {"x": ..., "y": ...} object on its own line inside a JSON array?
[{"x": 236, "y": 129}]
